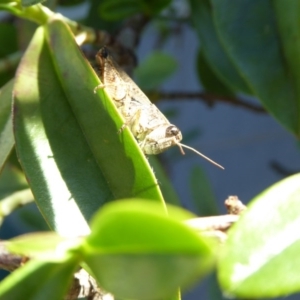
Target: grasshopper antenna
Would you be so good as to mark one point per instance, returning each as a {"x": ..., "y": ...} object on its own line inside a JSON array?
[{"x": 199, "y": 153}]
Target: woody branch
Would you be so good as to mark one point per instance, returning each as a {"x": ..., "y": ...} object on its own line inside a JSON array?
[{"x": 210, "y": 99}]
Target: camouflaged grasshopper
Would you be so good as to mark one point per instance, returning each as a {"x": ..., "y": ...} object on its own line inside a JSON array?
[{"x": 149, "y": 126}]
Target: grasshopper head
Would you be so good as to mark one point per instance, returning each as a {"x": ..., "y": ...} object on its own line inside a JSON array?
[
  {"x": 164, "y": 137},
  {"x": 160, "y": 139}
]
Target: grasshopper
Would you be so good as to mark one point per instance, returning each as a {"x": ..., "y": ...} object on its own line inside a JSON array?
[{"x": 150, "y": 127}]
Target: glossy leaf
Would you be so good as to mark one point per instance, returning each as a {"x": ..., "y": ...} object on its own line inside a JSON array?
[
  {"x": 50, "y": 146},
  {"x": 261, "y": 255},
  {"x": 66, "y": 140},
  {"x": 258, "y": 39},
  {"x": 6, "y": 132},
  {"x": 213, "y": 49},
  {"x": 118, "y": 155},
  {"x": 39, "y": 279},
  {"x": 137, "y": 252}
]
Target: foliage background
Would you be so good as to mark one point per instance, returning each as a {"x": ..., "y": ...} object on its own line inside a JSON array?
[{"x": 255, "y": 150}]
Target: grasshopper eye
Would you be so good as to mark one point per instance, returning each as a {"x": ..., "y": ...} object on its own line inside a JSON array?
[
  {"x": 103, "y": 52},
  {"x": 172, "y": 131}
]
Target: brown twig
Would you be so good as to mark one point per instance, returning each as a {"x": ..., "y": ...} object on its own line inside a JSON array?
[
  {"x": 217, "y": 226},
  {"x": 9, "y": 261},
  {"x": 211, "y": 99},
  {"x": 221, "y": 223}
]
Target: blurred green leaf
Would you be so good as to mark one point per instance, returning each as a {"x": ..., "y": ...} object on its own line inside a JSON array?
[
  {"x": 13, "y": 202},
  {"x": 39, "y": 279},
  {"x": 213, "y": 49},
  {"x": 261, "y": 255},
  {"x": 11, "y": 180},
  {"x": 154, "y": 70},
  {"x": 70, "y": 3},
  {"x": 31, "y": 218},
  {"x": 191, "y": 134},
  {"x": 9, "y": 47},
  {"x": 215, "y": 292},
  {"x": 27, "y": 3},
  {"x": 170, "y": 195},
  {"x": 208, "y": 78},
  {"x": 8, "y": 38},
  {"x": 259, "y": 44},
  {"x": 136, "y": 251},
  {"x": 114, "y": 10},
  {"x": 6, "y": 133},
  {"x": 202, "y": 193},
  {"x": 155, "y": 6},
  {"x": 35, "y": 244},
  {"x": 171, "y": 112},
  {"x": 14, "y": 193},
  {"x": 94, "y": 20},
  {"x": 66, "y": 136}
]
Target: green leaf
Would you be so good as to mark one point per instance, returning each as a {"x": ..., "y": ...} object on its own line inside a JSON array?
[
  {"x": 6, "y": 132},
  {"x": 154, "y": 70},
  {"x": 261, "y": 255},
  {"x": 39, "y": 280},
  {"x": 42, "y": 244},
  {"x": 11, "y": 180},
  {"x": 288, "y": 25},
  {"x": 27, "y": 3},
  {"x": 153, "y": 7},
  {"x": 136, "y": 251},
  {"x": 31, "y": 218},
  {"x": 114, "y": 10},
  {"x": 165, "y": 184},
  {"x": 70, "y": 3},
  {"x": 118, "y": 155},
  {"x": 66, "y": 136},
  {"x": 213, "y": 49},
  {"x": 14, "y": 192},
  {"x": 264, "y": 50},
  {"x": 9, "y": 40},
  {"x": 208, "y": 78},
  {"x": 93, "y": 19},
  {"x": 201, "y": 190}
]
